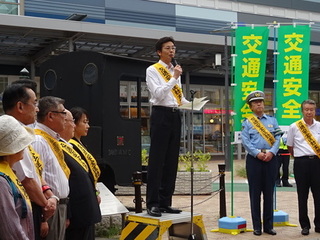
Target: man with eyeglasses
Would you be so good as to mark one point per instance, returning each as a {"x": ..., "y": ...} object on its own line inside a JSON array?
[
  {"x": 51, "y": 120},
  {"x": 164, "y": 84},
  {"x": 20, "y": 101}
]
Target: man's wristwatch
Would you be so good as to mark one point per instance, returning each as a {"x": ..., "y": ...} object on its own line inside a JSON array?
[{"x": 55, "y": 197}]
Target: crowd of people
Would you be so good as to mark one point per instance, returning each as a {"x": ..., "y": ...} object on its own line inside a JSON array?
[
  {"x": 48, "y": 181},
  {"x": 268, "y": 148},
  {"x": 48, "y": 175},
  {"x": 48, "y": 178}
]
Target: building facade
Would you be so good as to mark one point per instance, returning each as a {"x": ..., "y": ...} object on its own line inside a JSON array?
[{"x": 196, "y": 25}]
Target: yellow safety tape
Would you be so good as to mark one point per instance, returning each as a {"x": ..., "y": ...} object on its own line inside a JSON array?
[
  {"x": 146, "y": 232},
  {"x": 128, "y": 229}
]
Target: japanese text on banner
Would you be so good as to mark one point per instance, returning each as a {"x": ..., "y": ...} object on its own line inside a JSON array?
[
  {"x": 292, "y": 72},
  {"x": 250, "y": 65}
]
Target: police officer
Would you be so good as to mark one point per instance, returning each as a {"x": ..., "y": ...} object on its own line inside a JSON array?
[
  {"x": 283, "y": 157},
  {"x": 260, "y": 137}
]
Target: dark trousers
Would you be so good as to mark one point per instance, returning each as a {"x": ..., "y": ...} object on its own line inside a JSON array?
[
  {"x": 261, "y": 178},
  {"x": 283, "y": 160},
  {"x": 307, "y": 176},
  {"x": 165, "y": 132},
  {"x": 83, "y": 233},
  {"x": 36, "y": 214}
]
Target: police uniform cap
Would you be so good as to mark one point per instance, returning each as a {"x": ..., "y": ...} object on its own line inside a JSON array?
[{"x": 255, "y": 95}]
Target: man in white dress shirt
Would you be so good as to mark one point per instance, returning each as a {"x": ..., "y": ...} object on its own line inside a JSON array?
[
  {"x": 164, "y": 84},
  {"x": 51, "y": 119},
  {"x": 303, "y": 144},
  {"x": 20, "y": 101}
]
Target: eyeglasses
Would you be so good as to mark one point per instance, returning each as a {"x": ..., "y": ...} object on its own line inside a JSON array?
[
  {"x": 170, "y": 48},
  {"x": 64, "y": 113}
]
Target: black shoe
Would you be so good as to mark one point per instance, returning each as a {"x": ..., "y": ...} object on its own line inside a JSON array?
[
  {"x": 278, "y": 184},
  {"x": 154, "y": 211},
  {"x": 317, "y": 229},
  {"x": 271, "y": 231},
  {"x": 257, "y": 232},
  {"x": 170, "y": 210},
  {"x": 305, "y": 231}
]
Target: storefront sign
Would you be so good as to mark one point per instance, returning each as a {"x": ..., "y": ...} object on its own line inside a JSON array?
[{"x": 217, "y": 111}]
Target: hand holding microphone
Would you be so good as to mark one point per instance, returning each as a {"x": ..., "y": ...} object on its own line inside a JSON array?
[
  {"x": 174, "y": 62},
  {"x": 177, "y": 68}
]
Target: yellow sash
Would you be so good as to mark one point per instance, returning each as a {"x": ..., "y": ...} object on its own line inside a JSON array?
[
  {"x": 36, "y": 160},
  {"x": 262, "y": 130},
  {"x": 57, "y": 150},
  {"x": 308, "y": 137},
  {"x": 91, "y": 161},
  {"x": 166, "y": 75},
  {"x": 73, "y": 153},
  {"x": 6, "y": 169}
]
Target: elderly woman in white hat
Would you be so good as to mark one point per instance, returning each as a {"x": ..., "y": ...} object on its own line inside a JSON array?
[{"x": 16, "y": 214}]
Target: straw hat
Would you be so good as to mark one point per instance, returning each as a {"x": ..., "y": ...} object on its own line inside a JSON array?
[{"x": 13, "y": 136}]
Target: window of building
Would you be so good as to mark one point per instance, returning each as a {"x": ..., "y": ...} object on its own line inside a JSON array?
[
  {"x": 314, "y": 96},
  {"x": 129, "y": 103},
  {"x": 3, "y": 85},
  {"x": 209, "y": 124},
  {"x": 9, "y": 7}
]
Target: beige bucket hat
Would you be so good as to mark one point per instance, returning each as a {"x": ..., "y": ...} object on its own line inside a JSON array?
[{"x": 13, "y": 136}]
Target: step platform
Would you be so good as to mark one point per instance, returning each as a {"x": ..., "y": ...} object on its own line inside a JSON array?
[{"x": 141, "y": 226}]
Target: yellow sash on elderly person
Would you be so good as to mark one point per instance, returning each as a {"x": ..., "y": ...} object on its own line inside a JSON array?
[
  {"x": 308, "y": 137},
  {"x": 265, "y": 133},
  {"x": 73, "y": 153},
  {"x": 166, "y": 75},
  {"x": 6, "y": 169},
  {"x": 91, "y": 161},
  {"x": 56, "y": 149}
]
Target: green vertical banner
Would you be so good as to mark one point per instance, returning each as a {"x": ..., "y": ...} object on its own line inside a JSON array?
[
  {"x": 292, "y": 72},
  {"x": 250, "y": 65}
]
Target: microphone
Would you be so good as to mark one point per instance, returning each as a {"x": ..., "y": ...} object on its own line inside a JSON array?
[
  {"x": 192, "y": 92},
  {"x": 174, "y": 62}
]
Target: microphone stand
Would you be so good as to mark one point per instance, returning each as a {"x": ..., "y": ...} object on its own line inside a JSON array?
[{"x": 192, "y": 235}]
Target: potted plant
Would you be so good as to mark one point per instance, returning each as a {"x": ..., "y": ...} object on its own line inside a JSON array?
[
  {"x": 200, "y": 161},
  {"x": 144, "y": 163},
  {"x": 202, "y": 176}
]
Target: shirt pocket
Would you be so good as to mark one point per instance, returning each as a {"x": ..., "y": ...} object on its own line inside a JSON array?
[{"x": 253, "y": 133}]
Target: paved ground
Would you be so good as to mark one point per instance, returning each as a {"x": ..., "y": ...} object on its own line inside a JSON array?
[{"x": 208, "y": 206}]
